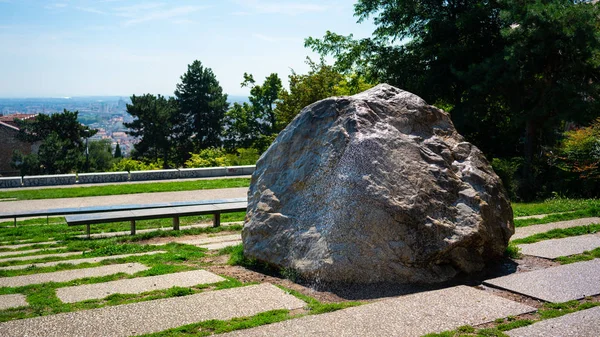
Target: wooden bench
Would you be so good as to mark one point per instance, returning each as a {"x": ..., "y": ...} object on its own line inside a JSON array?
[
  {"x": 101, "y": 209},
  {"x": 156, "y": 213}
]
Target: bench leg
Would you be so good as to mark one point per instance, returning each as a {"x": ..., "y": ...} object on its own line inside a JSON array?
[
  {"x": 132, "y": 227},
  {"x": 15, "y": 221},
  {"x": 216, "y": 219},
  {"x": 87, "y": 230},
  {"x": 176, "y": 223}
]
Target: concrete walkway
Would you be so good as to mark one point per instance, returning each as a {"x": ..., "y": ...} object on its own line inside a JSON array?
[
  {"x": 523, "y": 232},
  {"x": 551, "y": 249},
  {"x": 77, "y": 261},
  {"x": 70, "y": 275},
  {"x": 585, "y": 323},
  {"x": 37, "y": 257},
  {"x": 12, "y": 301},
  {"x": 136, "y": 285},
  {"x": 158, "y": 315},
  {"x": 126, "y": 199},
  {"x": 406, "y": 316}
]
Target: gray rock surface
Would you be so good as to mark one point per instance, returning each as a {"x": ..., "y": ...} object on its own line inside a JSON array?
[
  {"x": 153, "y": 316},
  {"x": 375, "y": 187},
  {"x": 556, "y": 284},
  {"x": 584, "y": 323},
  {"x": 405, "y": 316}
]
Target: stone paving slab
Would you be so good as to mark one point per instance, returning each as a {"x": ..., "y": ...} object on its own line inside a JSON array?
[
  {"x": 12, "y": 301},
  {"x": 523, "y": 232},
  {"x": 220, "y": 245},
  {"x": 551, "y": 249},
  {"x": 37, "y": 257},
  {"x": 136, "y": 286},
  {"x": 406, "y": 316},
  {"x": 77, "y": 261},
  {"x": 17, "y": 246},
  {"x": 21, "y": 252},
  {"x": 205, "y": 240},
  {"x": 158, "y": 315},
  {"x": 585, "y": 323},
  {"x": 70, "y": 275},
  {"x": 540, "y": 216},
  {"x": 555, "y": 284}
]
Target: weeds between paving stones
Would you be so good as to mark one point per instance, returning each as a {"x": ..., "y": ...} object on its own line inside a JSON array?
[
  {"x": 499, "y": 326},
  {"x": 559, "y": 233},
  {"x": 554, "y": 205},
  {"x": 120, "y": 189},
  {"x": 585, "y": 213}
]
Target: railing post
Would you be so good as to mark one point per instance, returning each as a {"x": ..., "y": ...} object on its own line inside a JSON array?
[{"x": 216, "y": 219}]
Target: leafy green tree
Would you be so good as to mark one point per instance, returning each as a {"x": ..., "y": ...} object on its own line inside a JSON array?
[
  {"x": 118, "y": 153},
  {"x": 321, "y": 81},
  {"x": 100, "y": 155},
  {"x": 263, "y": 99},
  {"x": 242, "y": 126},
  {"x": 510, "y": 72},
  {"x": 62, "y": 145},
  {"x": 154, "y": 120},
  {"x": 579, "y": 152},
  {"x": 202, "y": 106}
]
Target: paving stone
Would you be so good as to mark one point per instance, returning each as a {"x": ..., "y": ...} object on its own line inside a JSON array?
[
  {"x": 406, "y": 316},
  {"x": 77, "y": 261},
  {"x": 17, "y": 246},
  {"x": 21, "y": 252},
  {"x": 555, "y": 284},
  {"x": 12, "y": 301},
  {"x": 37, "y": 257},
  {"x": 584, "y": 323},
  {"x": 158, "y": 315},
  {"x": 551, "y": 249},
  {"x": 540, "y": 216},
  {"x": 69, "y": 275},
  {"x": 220, "y": 245},
  {"x": 136, "y": 285},
  {"x": 207, "y": 240},
  {"x": 523, "y": 232},
  {"x": 141, "y": 231}
]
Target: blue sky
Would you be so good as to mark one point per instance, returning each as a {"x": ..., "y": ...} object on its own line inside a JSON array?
[{"x": 124, "y": 47}]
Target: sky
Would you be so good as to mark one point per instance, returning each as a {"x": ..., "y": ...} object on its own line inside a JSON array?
[{"x": 73, "y": 48}]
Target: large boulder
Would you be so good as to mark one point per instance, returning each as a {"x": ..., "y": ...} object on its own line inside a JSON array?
[{"x": 376, "y": 187}]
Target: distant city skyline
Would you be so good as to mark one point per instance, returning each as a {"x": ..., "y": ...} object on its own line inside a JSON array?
[{"x": 71, "y": 48}]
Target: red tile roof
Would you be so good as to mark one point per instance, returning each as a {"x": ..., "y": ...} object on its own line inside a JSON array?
[{"x": 10, "y": 119}]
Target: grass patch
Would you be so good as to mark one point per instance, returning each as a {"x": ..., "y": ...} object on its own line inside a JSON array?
[
  {"x": 119, "y": 189},
  {"x": 559, "y": 233},
  {"x": 548, "y": 311},
  {"x": 218, "y": 326},
  {"x": 554, "y": 205},
  {"x": 585, "y": 256},
  {"x": 513, "y": 251},
  {"x": 315, "y": 307},
  {"x": 584, "y": 213}
]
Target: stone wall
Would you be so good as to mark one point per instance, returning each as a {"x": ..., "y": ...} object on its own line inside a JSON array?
[
  {"x": 116, "y": 177},
  {"x": 50, "y": 180},
  {"x": 102, "y": 177},
  {"x": 8, "y": 182}
]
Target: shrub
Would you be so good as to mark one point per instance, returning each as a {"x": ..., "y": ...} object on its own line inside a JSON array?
[{"x": 128, "y": 164}]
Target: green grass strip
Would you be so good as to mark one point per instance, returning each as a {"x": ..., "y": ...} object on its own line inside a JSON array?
[
  {"x": 584, "y": 213},
  {"x": 559, "y": 233},
  {"x": 120, "y": 189},
  {"x": 556, "y": 205},
  {"x": 585, "y": 256},
  {"x": 548, "y": 311}
]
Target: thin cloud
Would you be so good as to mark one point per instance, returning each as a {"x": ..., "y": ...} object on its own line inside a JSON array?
[
  {"x": 155, "y": 11},
  {"x": 91, "y": 10},
  {"x": 57, "y": 5},
  {"x": 285, "y": 8}
]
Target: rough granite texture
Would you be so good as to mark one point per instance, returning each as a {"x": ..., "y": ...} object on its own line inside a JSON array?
[
  {"x": 59, "y": 179},
  {"x": 406, "y": 316},
  {"x": 375, "y": 187},
  {"x": 77, "y": 261},
  {"x": 556, "y": 284},
  {"x": 10, "y": 182},
  {"x": 551, "y": 249},
  {"x": 136, "y": 285},
  {"x": 153, "y": 316},
  {"x": 70, "y": 275},
  {"x": 12, "y": 301},
  {"x": 584, "y": 323}
]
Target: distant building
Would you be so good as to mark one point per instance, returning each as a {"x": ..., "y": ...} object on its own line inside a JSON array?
[{"x": 9, "y": 142}]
